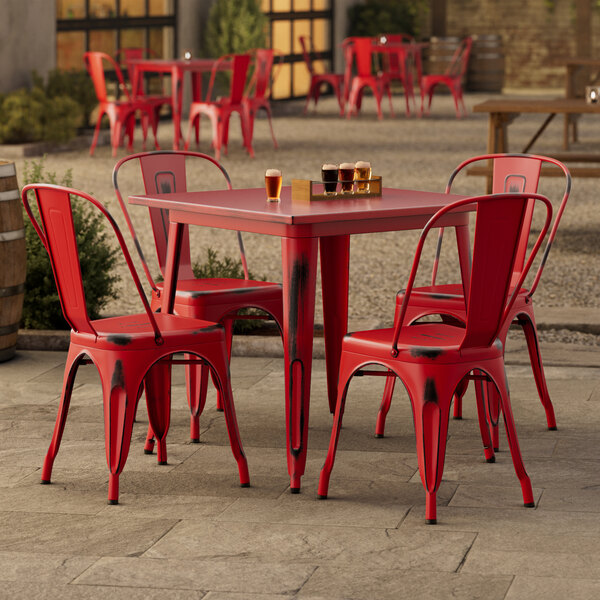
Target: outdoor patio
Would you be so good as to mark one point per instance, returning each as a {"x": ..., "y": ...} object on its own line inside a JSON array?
[{"x": 187, "y": 530}]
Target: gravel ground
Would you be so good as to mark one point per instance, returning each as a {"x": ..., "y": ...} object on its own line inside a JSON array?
[{"x": 407, "y": 152}]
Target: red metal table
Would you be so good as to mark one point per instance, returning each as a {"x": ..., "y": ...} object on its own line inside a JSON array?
[
  {"x": 304, "y": 227},
  {"x": 176, "y": 67}
]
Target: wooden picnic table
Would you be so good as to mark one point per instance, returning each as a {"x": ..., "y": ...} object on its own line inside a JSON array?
[{"x": 503, "y": 111}]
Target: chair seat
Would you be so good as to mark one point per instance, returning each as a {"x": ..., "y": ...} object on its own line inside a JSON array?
[
  {"x": 134, "y": 332},
  {"x": 424, "y": 342},
  {"x": 219, "y": 290}
]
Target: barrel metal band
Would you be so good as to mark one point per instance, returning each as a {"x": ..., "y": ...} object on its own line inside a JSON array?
[
  {"x": 10, "y": 195},
  {"x": 8, "y": 329},
  {"x": 7, "y": 170},
  {"x": 9, "y": 236},
  {"x": 12, "y": 290},
  {"x": 7, "y": 353}
]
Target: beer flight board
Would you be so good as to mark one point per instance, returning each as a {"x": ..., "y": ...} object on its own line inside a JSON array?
[{"x": 302, "y": 190}]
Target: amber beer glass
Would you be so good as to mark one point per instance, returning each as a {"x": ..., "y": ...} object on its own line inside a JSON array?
[
  {"x": 362, "y": 173},
  {"x": 346, "y": 177},
  {"x": 329, "y": 177},
  {"x": 273, "y": 184}
]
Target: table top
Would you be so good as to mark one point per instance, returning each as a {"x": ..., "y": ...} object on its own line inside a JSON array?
[
  {"x": 248, "y": 210},
  {"x": 532, "y": 105},
  {"x": 201, "y": 64}
]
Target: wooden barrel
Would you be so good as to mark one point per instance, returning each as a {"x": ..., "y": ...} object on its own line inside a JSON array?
[
  {"x": 486, "y": 65},
  {"x": 12, "y": 260},
  {"x": 439, "y": 57}
]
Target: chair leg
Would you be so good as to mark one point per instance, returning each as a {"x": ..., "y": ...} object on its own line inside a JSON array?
[
  {"x": 228, "y": 325},
  {"x": 535, "y": 358},
  {"x": 499, "y": 377},
  {"x": 96, "y": 134},
  {"x": 386, "y": 402},
  {"x": 196, "y": 378},
  {"x": 275, "y": 145},
  {"x": 61, "y": 417},
  {"x": 220, "y": 371},
  {"x": 484, "y": 429},
  {"x": 149, "y": 444},
  {"x": 157, "y": 384},
  {"x": 458, "y": 398}
]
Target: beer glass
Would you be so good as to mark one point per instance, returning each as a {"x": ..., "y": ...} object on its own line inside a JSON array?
[
  {"x": 362, "y": 173},
  {"x": 329, "y": 177},
  {"x": 273, "y": 184},
  {"x": 346, "y": 177}
]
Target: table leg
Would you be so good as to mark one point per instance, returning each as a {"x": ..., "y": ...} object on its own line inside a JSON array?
[
  {"x": 299, "y": 261},
  {"x": 177, "y": 96},
  {"x": 172, "y": 267},
  {"x": 335, "y": 258}
]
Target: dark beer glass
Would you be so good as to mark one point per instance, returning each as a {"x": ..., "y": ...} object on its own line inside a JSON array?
[{"x": 329, "y": 177}]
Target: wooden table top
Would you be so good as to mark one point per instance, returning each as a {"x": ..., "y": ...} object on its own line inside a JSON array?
[{"x": 532, "y": 105}]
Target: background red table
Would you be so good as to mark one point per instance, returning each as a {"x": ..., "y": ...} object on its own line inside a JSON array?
[
  {"x": 176, "y": 67},
  {"x": 304, "y": 227}
]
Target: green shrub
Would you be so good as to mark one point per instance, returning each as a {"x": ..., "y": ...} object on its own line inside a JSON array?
[
  {"x": 228, "y": 267},
  {"x": 75, "y": 84},
  {"x": 235, "y": 26},
  {"x": 386, "y": 16},
  {"x": 30, "y": 116},
  {"x": 41, "y": 307}
]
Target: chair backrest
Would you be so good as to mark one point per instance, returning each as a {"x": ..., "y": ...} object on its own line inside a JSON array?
[
  {"x": 392, "y": 61},
  {"x": 362, "y": 51},
  {"x": 164, "y": 172},
  {"x": 261, "y": 80},
  {"x": 239, "y": 71},
  {"x": 460, "y": 59},
  {"x": 95, "y": 64},
  {"x": 306, "y": 44},
  {"x": 499, "y": 222},
  {"x": 124, "y": 55},
  {"x": 56, "y": 229},
  {"x": 521, "y": 173}
]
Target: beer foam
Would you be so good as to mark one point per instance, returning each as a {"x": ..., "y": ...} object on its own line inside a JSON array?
[
  {"x": 347, "y": 166},
  {"x": 363, "y": 164},
  {"x": 329, "y": 167},
  {"x": 273, "y": 173}
]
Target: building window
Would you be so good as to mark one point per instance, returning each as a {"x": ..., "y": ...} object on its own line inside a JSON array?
[
  {"x": 290, "y": 19},
  {"x": 107, "y": 25}
]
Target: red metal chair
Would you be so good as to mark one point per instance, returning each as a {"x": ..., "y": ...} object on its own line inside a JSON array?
[
  {"x": 511, "y": 173},
  {"x": 317, "y": 80},
  {"x": 124, "y": 55},
  {"x": 128, "y": 351},
  {"x": 120, "y": 113},
  {"x": 219, "y": 111},
  {"x": 451, "y": 78},
  {"x": 360, "y": 51},
  {"x": 432, "y": 359},
  {"x": 258, "y": 93},
  {"x": 214, "y": 299}
]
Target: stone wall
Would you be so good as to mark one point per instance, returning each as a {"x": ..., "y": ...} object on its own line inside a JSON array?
[{"x": 534, "y": 37}]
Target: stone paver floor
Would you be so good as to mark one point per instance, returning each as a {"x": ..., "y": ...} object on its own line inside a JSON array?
[{"x": 186, "y": 530}]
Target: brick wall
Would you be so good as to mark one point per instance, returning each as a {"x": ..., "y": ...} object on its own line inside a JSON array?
[{"x": 534, "y": 37}]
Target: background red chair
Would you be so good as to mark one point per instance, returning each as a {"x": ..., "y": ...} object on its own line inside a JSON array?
[
  {"x": 126, "y": 350},
  {"x": 317, "y": 80},
  {"x": 511, "y": 173},
  {"x": 432, "y": 359},
  {"x": 258, "y": 93},
  {"x": 120, "y": 113},
  {"x": 219, "y": 111},
  {"x": 124, "y": 55},
  {"x": 214, "y": 299},
  {"x": 360, "y": 52},
  {"x": 451, "y": 78}
]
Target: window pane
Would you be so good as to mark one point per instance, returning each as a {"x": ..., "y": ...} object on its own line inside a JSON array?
[
  {"x": 281, "y": 36},
  {"x": 321, "y": 39},
  {"x": 70, "y": 9},
  {"x": 133, "y": 8},
  {"x": 281, "y": 87},
  {"x": 133, "y": 38},
  {"x": 282, "y": 5},
  {"x": 103, "y": 40},
  {"x": 70, "y": 46},
  {"x": 321, "y": 4},
  {"x": 160, "y": 41},
  {"x": 102, "y": 9},
  {"x": 301, "y": 5},
  {"x": 159, "y": 8},
  {"x": 301, "y": 79},
  {"x": 265, "y": 6},
  {"x": 301, "y": 27}
]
